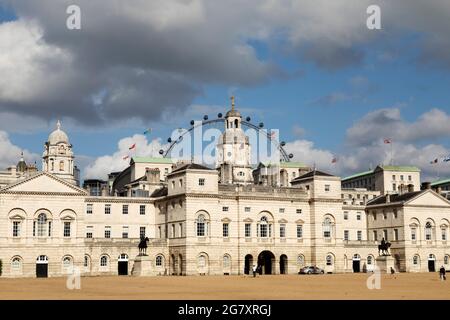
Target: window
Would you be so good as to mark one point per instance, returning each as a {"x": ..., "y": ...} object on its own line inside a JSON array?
[
  {"x": 394, "y": 187},
  {"x": 201, "y": 181},
  {"x": 298, "y": 211},
  {"x": 369, "y": 260},
  {"x": 300, "y": 260},
  {"x": 201, "y": 261},
  {"x": 346, "y": 235},
  {"x": 67, "y": 263},
  {"x": 359, "y": 235},
  {"x": 104, "y": 261},
  {"x": 89, "y": 232},
  {"x": 395, "y": 234},
  {"x": 413, "y": 234},
  {"x": 16, "y": 264},
  {"x": 42, "y": 225},
  {"x": 327, "y": 187},
  {"x": 446, "y": 259},
  {"x": 263, "y": 227},
  {"x": 201, "y": 226},
  {"x": 66, "y": 229},
  {"x": 142, "y": 209},
  {"x": 395, "y": 214},
  {"x": 159, "y": 261},
  {"x": 415, "y": 260},
  {"x": 125, "y": 232},
  {"x": 385, "y": 235},
  {"x": 299, "y": 231},
  {"x": 345, "y": 215},
  {"x": 329, "y": 260},
  {"x": 107, "y": 232},
  {"x": 375, "y": 235},
  {"x": 172, "y": 227},
  {"x": 358, "y": 216},
  {"x": 401, "y": 177},
  {"x": 248, "y": 228},
  {"x": 61, "y": 166},
  {"x": 393, "y": 177},
  {"x": 281, "y": 210},
  {"x": 180, "y": 227},
  {"x": 225, "y": 228},
  {"x": 125, "y": 209},
  {"x": 107, "y": 209},
  {"x": 166, "y": 171},
  {"x": 159, "y": 232},
  {"x": 141, "y": 232},
  {"x": 16, "y": 228},
  {"x": 247, "y": 209},
  {"x": 173, "y": 184},
  {"x": 374, "y": 215},
  {"x": 86, "y": 261},
  {"x": 384, "y": 215},
  {"x": 428, "y": 231},
  {"x": 327, "y": 228},
  {"x": 226, "y": 261},
  {"x": 180, "y": 182},
  {"x": 409, "y": 178},
  {"x": 282, "y": 231},
  {"x": 89, "y": 208},
  {"x": 225, "y": 209}
]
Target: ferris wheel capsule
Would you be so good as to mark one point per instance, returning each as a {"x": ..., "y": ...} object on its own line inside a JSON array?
[
  {"x": 169, "y": 140},
  {"x": 248, "y": 119},
  {"x": 261, "y": 125},
  {"x": 205, "y": 117},
  {"x": 283, "y": 143},
  {"x": 291, "y": 155},
  {"x": 161, "y": 151},
  {"x": 192, "y": 122},
  {"x": 219, "y": 115}
]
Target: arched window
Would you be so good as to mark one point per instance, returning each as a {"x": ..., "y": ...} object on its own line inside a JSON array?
[
  {"x": 42, "y": 225},
  {"x": 327, "y": 226},
  {"x": 159, "y": 261},
  {"x": 16, "y": 264},
  {"x": 416, "y": 260},
  {"x": 201, "y": 261},
  {"x": 201, "y": 226},
  {"x": 428, "y": 231},
  {"x": 86, "y": 261},
  {"x": 103, "y": 261},
  {"x": 67, "y": 263},
  {"x": 61, "y": 166},
  {"x": 446, "y": 259},
  {"x": 329, "y": 260},
  {"x": 264, "y": 231},
  {"x": 226, "y": 261},
  {"x": 300, "y": 260},
  {"x": 369, "y": 260}
]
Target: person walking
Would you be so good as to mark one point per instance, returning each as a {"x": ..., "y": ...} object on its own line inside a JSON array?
[
  {"x": 254, "y": 270},
  {"x": 442, "y": 273}
]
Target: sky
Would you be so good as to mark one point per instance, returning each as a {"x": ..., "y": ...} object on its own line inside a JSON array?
[{"x": 311, "y": 69}]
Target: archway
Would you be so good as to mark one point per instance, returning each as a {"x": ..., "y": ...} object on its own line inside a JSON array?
[
  {"x": 356, "y": 263},
  {"x": 122, "y": 265},
  {"x": 266, "y": 262},
  {"x": 248, "y": 264},
  {"x": 173, "y": 265},
  {"x": 42, "y": 266},
  {"x": 283, "y": 264},
  {"x": 431, "y": 263},
  {"x": 180, "y": 264}
]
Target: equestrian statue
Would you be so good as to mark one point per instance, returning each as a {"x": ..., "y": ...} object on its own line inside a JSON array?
[
  {"x": 143, "y": 246},
  {"x": 383, "y": 248}
]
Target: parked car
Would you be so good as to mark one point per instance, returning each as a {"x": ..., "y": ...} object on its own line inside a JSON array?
[{"x": 311, "y": 270}]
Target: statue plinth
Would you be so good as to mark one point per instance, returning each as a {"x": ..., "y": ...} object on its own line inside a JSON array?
[
  {"x": 142, "y": 266},
  {"x": 385, "y": 263}
]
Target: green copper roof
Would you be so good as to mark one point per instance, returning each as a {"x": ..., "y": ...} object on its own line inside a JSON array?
[
  {"x": 401, "y": 168},
  {"x": 152, "y": 160},
  {"x": 438, "y": 182},
  {"x": 293, "y": 165},
  {"x": 358, "y": 175}
]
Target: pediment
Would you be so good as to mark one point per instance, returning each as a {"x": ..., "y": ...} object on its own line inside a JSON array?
[
  {"x": 429, "y": 198},
  {"x": 44, "y": 182}
]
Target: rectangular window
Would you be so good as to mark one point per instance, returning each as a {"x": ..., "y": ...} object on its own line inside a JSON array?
[
  {"x": 393, "y": 177},
  {"x": 247, "y": 209},
  {"x": 125, "y": 209},
  {"x": 225, "y": 230},
  {"x": 66, "y": 229},
  {"x": 107, "y": 232},
  {"x": 282, "y": 231},
  {"x": 299, "y": 231},
  {"x": 327, "y": 187},
  {"x": 263, "y": 230},
  {"x": 395, "y": 214},
  {"x": 107, "y": 209},
  {"x": 298, "y": 211},
  {"x": 359, "y": 235},
  {"x": 173, "y": 231},
  {"x": 346, "y": 235},
  {"x": 394, "y": 187},
  {"x": 89, "y": 232},
  {"x": 49, "y": 228},
  {"x": 225, "y": 209},
  {"x": 395, "y": 234},
  {"x": 375, "y": 235},
  {"x": 413, "y": 234},
  {"x": 142, "y": 209},
  {"x": 16, "y": 228},
  {"x": 248, "y": 232},
  {"x": 181, "y": 182},
  {"x": 281, "y": 210},
  {"x": 180, "y": 226},
  {"x": 142, "y": 232},
  {"x": 159, "y": 232},
  {"x": 345, "y": 215},
  {"x": 409, "y": 178},
  {"x": 401, "y": 177},
  {"x": 89, "y": 208},
  {"x": 385, "y": 235},
  {"x": 125, "y": 232},
  {"x": 201, "y": 181},
  {"x": 358, "y": 216},
  {"x": 444, "y": 234}
]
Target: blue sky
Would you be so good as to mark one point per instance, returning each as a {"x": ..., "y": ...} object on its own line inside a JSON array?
[{"x": 277, "y": 81}]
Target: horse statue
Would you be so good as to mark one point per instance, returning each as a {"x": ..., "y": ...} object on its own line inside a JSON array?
[
  {"x": 383, "y": 249},
  {"x": 143, "y": 246}
]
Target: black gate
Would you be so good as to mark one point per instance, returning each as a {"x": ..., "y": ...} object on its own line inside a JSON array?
[
  {"x": 41, "y": 270},
  {"x": 356, "y": 266},
  {"x": 431, "y": 266},
  {"x": 123, "y": 268}
]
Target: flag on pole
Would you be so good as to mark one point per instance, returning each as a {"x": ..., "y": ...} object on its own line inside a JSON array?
[
  {"x": 272, "y": 134},
  {"x": 434, "y": 161},
  {"x": 387, "y": 141},
  {"x": 334, "y": 160},
  {"x": 149, "y": 130},
  {"x": 447, "y": 159},
  {"x": 132, "y": 147}
]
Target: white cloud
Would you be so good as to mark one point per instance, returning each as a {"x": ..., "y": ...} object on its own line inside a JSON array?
[{"x": 10, "y": 153}]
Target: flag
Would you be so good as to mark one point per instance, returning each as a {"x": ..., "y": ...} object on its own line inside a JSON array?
[
  {"x": 387, "y": 141},
  {"x": 434, "y": 161},
  {"x": 126, "y": 157},
  {"x": 272, "y": 134},
  {"x": 132, "y": 147},
  {"x": 447, "y": 159},
  {"x": 149, "y": 130},
  {"x": 334, "y": 160}
]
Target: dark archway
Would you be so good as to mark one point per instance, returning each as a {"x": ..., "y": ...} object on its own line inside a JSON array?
[
  {"x": 266, "y": 262},
  {"x": 248, "y": 264},
  {"x": 431, "y": 263},
  {"x": 122, "y": 265},
  {"x": 283, "y": 264},
  {"x": 356, "y": 263},
  {"x": 173, "y": 265},
  {"x": 180, "y": 264},
  {"x": 42, "y": 266}
]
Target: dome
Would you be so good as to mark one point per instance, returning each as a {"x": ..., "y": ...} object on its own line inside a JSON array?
[
  {"x": 233, "y": 113},
  {"x": 58, "y": 136},
  {"x": 21, "y": 165}
]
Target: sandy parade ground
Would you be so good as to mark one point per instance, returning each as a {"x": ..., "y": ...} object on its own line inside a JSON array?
[{"x": 329, "y": 286}]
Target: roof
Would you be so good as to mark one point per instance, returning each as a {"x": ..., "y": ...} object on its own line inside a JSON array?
[
  {"x": 312, "y": 174},
  {"x": 395, "y": 198},
  {"x": 361, "y": 174},
  {"x": 159, "y": 193},
  {"x": 151, "y": 160},
  {"x": 400, "y": 168},
  {"x": 191, "y": 166},
  {"x": 439, "y": 182},
  {"x": 293, "y": 165}
]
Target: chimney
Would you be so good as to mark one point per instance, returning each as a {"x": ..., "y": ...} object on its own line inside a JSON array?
[
  {"x": 426, "y": 185},
  {"x": 104, "y": 191},
  {"x": 153, "y": 175},
  {"x": 388, "y": 198},
  {"x": 410, "y": 187},
  {"x": 439, "y": 190}
]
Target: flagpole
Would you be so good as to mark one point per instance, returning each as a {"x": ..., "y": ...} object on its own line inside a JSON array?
[{"x": 392, "y": 152}]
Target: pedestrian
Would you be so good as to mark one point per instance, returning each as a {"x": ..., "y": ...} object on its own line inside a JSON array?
[
  {"x": 442, "y": 274},
  {"x": 254, "y": 270}
]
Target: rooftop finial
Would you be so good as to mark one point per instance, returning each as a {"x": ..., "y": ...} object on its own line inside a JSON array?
[
  {"x": 21, "y": 156},
  {"x": 232, "y": 103},
  {"x": 58, "y": 125}
]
